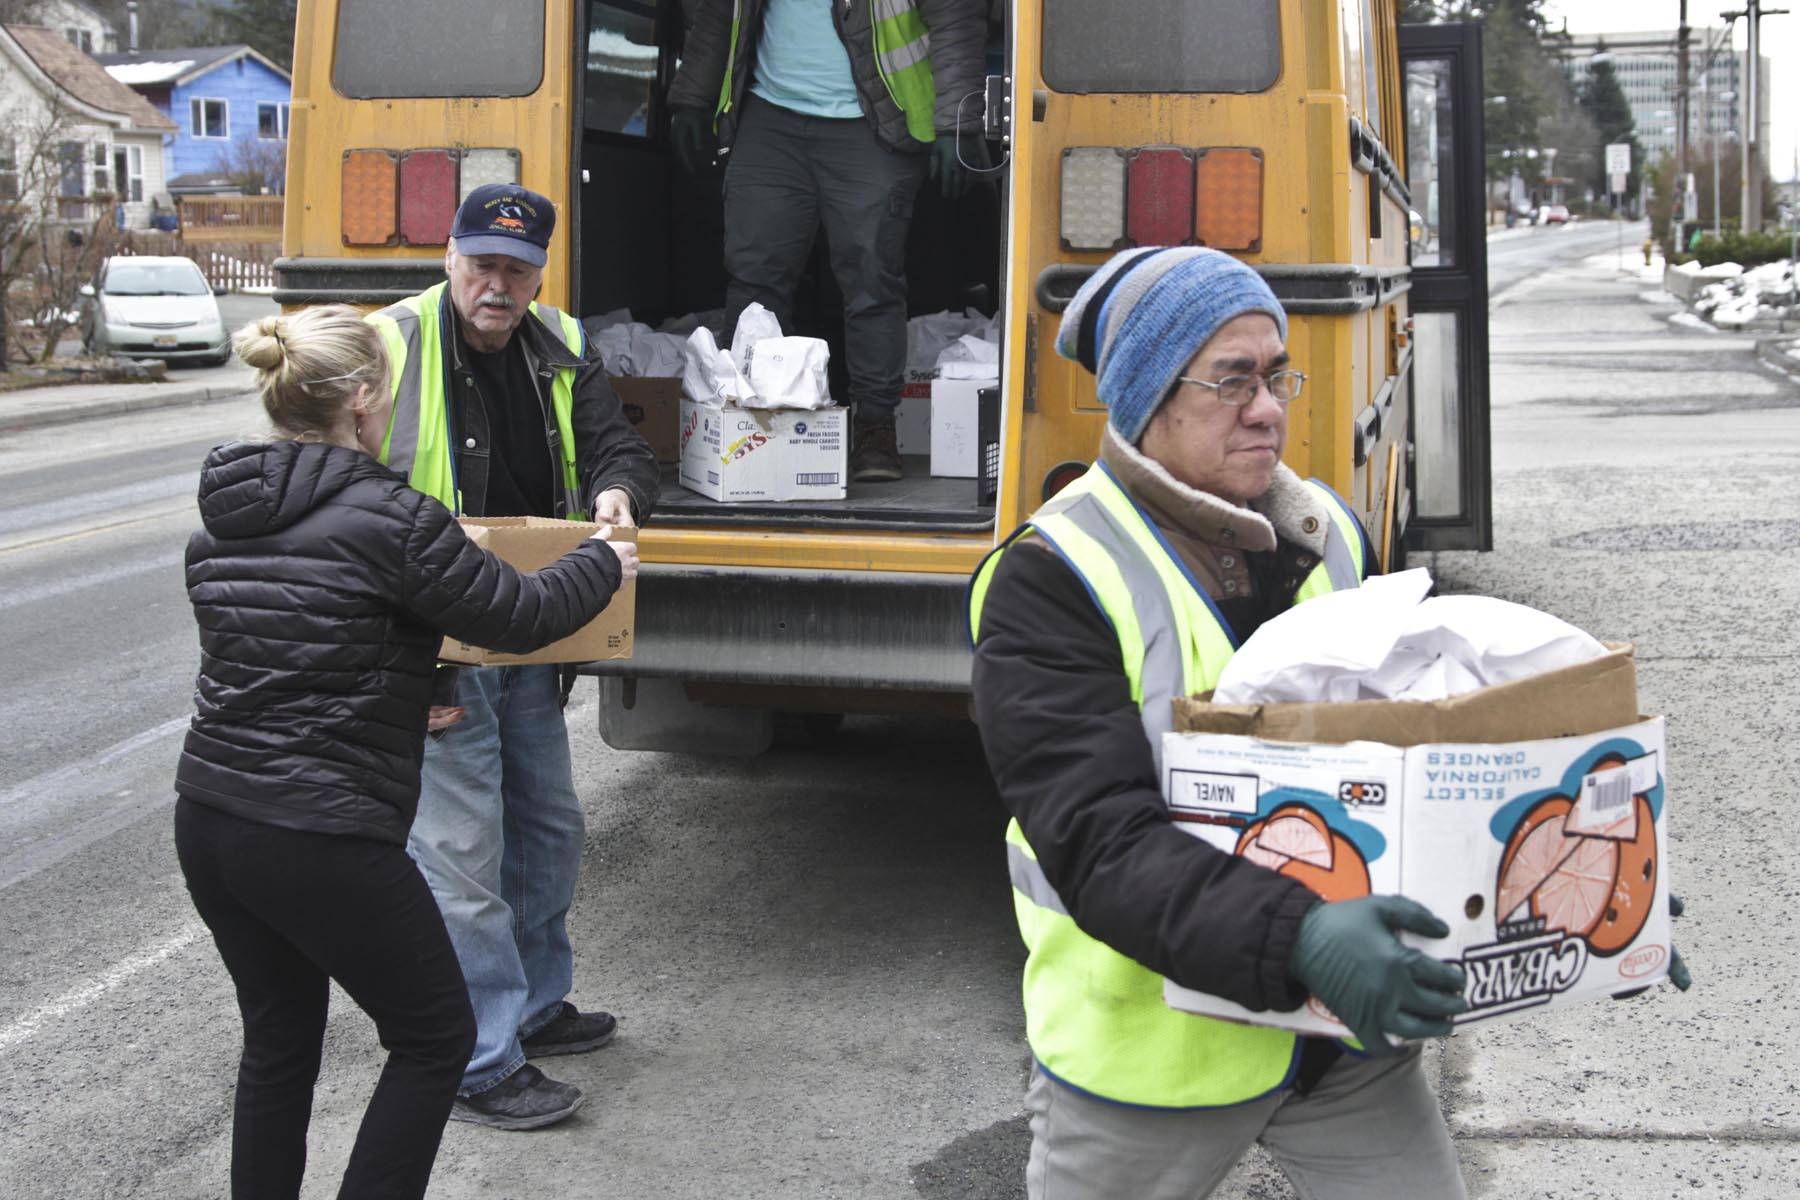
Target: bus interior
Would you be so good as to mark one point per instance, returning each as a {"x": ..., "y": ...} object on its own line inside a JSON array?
[{"x": 648, "y": 237}]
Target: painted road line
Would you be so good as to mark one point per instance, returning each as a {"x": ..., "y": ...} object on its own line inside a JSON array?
[
  {"x": 166, "y": 558},
  {"x": 21, "y": 1028}
]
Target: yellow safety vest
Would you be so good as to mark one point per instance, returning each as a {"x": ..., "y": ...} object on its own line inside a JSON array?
[
  {"x": 418, "y": 435},
  {"x": 1095, "y": 1018}
]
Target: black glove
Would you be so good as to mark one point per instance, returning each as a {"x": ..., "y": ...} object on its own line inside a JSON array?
[
  {"x": 691, "y": 137},
  {"x": 956, "y": 162},
  {"x": 1347, "y": 956}
]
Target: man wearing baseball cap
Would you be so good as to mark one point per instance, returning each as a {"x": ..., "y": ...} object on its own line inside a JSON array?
[
  {"x": 1132, "y": 586},
  {"x": 498, "y": 411}
]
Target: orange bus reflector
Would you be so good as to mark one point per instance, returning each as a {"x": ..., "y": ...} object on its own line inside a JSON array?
[
  {"x": 1093, "y": 198},
  {"x": 368, "y": 198},
  {"x": 1159, "y": 196},
  {"x": 1228, "y": 194},
  {"x": 427, "y": 196}
]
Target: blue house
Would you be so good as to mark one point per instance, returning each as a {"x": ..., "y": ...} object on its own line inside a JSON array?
[{"x": 229, "y": 105}]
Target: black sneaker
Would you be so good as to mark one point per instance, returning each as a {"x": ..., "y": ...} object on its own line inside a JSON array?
[
  {"x": 526, "y": 1099},
  {"x": 571, "y": 1032},
  {"x": 875, "y": 455}
]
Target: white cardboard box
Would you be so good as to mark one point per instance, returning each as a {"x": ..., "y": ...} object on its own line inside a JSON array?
[
  {"x": 955, "y": 426},
  {"x": 1546, "y": 857},
  {"x": 733, "y": 453}
]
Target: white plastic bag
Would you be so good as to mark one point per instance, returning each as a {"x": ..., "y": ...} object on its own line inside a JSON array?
[
  {"x": 710, "y": 377},
  {"x": 755, "y": 324},
  {"x": 1386, "y": 641},
  {"x": 789, "y": 372}
]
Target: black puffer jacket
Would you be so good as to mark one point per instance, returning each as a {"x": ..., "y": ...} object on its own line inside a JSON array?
[{"x": 322, "y": 585}]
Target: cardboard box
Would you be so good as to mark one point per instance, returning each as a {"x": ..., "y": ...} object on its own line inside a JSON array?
[
  {"x": 529, "y": 544},
  {"x": 653, "y": 406},
  {"x": 1530, "y": 816},
  {"x": 733, "y": 453},
  {"x": 956, "y": 426}
]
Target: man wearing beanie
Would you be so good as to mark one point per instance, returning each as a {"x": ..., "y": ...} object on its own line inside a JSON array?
[{"x": 1132, "y": 586}]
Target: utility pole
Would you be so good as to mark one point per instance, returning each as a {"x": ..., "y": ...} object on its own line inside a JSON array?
[
  {"x": 1682, "y": 33},
  {"x": 1751, "y": 206}
]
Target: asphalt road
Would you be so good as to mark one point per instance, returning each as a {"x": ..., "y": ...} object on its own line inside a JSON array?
[{"x": 812, "y": 954}]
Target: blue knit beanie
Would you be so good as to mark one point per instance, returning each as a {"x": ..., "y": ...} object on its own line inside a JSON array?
[{"x": 1139, "y": 319}]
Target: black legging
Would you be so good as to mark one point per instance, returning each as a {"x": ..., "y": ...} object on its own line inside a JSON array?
[{"x": 290, "y": 911}]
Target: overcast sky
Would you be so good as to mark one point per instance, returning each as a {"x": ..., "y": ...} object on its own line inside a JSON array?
[{"x": 1780, "y": 45}]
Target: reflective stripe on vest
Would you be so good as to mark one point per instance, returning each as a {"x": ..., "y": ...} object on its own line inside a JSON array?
[
  {"x": 1095, "y": 1018},
  {"x": 418, "y": 435},
  {"x": 903, "y": 57}
]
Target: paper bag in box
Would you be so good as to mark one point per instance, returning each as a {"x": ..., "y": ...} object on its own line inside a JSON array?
[
  {"x": 529, "y": 544},
  {"x": 1529, "y": 816}
]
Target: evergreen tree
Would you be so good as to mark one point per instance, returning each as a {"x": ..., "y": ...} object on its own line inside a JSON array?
[
  {"x": 268, "y": 25},
  {"x": 1604, "y": 102}
]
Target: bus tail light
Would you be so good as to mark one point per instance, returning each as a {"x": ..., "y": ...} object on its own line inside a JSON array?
[
  {"x": 428, "y": 196},
  {"x": 367, "y": 198},
  {"x": 1061, "y": 476},
  {"x": 486, "y": 166},
  {"x": 1093, "y": 198},
  {"x": 1159, "y": 196},
  {"x": 1228, "y": 187}
]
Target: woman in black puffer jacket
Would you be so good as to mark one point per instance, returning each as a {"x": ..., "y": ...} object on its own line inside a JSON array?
[{"x": 323, "y": 586}]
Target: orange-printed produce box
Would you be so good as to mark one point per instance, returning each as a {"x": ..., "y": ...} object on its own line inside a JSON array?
[{"x": 1546, "y": 855}]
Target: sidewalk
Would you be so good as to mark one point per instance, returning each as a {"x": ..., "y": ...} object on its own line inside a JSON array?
[{"x": 33, "y": 408}]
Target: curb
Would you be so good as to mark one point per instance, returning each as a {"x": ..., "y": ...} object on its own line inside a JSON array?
[
  {"x": 1769, "y": 350},
  {"x": 172, "y": 398}
]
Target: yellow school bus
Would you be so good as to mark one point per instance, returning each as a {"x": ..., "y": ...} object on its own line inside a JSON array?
[{"x": 1336, "y": 151}]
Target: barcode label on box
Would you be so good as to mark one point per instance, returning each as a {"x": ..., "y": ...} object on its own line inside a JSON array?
[
  {"x": 815, "y": 478},
  {"x": 1605, "y": 807}
]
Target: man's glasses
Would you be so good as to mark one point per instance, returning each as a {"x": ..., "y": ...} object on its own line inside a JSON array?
[{"x": 1239, "y": 390}]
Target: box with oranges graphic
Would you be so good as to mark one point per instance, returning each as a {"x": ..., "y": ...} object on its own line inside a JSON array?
[{"x": 1531, "y": 817}]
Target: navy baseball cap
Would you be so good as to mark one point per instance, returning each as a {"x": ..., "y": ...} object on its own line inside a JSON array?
[{"x": 504, "y": 218}]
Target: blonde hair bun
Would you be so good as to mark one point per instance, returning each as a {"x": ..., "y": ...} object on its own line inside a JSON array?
[{"x": 263, "y": 343}]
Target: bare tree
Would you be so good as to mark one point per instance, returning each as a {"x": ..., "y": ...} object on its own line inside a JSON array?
[
  {"x": 51, "y": 244},
  {"x": 258, "y": 165}
]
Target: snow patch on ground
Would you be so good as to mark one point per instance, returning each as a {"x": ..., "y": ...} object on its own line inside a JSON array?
[
  {"x": 1688, "y": 320},
  {"x": 1658, "y": 297}
]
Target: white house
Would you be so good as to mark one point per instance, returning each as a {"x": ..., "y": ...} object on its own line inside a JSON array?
[
  {"x": 109, "y": 141},
  {"x": 84, "y": 26}
]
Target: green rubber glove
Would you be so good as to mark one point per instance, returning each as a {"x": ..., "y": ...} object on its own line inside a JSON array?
[
  {"x": 1678, "y": 971},
  {"x": 1347, "y": 956},
  {"x": 691, "y": 137}
]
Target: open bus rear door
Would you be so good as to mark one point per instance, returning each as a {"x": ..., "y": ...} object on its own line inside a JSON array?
[{"x": 1451, "y": 483}]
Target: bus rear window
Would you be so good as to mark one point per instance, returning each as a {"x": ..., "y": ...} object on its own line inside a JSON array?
[
  {"x": 404, "y": 48},
  {"x": 1162, "y": 45}
]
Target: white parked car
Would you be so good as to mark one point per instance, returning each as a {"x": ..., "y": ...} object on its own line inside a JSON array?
[{"x": 150, "y": 307}]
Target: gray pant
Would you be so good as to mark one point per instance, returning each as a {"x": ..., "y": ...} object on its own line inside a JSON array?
[
  {"x": 787, "y": 175},
  {"x": 1370, "y": 1130}
]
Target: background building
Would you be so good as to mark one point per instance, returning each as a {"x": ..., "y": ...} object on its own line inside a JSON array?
[
  {"x": 107, "y": 141},
  {"x": 230, "y": 108},
  {"x": 1646, "y": 66}
]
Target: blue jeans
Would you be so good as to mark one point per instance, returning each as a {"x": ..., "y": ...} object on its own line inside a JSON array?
[{"x": 498, "y": 837}]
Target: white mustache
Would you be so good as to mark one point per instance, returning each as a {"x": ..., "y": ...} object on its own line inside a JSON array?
[{"x": 497, "y": 300}]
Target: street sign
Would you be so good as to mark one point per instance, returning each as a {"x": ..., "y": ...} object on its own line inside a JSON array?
[
  {"x": 1618, "y": 160},
  {"x": 1615, "y": 183}
]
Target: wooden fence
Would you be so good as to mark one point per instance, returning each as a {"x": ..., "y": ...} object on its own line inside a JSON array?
[
  {"x": 229, "y": 266},
  {"x": 235, "y": 219}
]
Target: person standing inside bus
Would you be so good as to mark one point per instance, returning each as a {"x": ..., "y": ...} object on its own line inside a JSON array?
[
  {"x": 497, "y": 411},
  {"x": 831, "y": 116},
  {"x": 1130, "y": 587}
]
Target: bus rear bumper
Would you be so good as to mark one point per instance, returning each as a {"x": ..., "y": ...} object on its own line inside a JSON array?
[{"x": 857, "y": 631}]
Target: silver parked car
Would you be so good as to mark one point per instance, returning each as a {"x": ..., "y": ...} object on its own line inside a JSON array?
[{"x": 149, "y": 307}]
